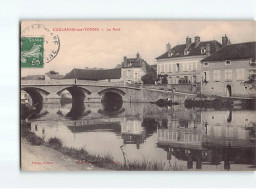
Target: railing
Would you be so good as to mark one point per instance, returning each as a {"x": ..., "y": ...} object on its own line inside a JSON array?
[{"x": 72, "y": 82}]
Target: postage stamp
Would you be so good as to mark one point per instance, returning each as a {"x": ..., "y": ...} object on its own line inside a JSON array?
[
  {"x": 50, "y": 39},
  {"x": 32, "y": 52}
]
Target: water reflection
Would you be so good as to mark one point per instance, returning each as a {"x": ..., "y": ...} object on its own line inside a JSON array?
[{"x": 193, "y": 139}]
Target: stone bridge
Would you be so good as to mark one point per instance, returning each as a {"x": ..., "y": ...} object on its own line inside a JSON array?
[{"x": 42, "y": 91}]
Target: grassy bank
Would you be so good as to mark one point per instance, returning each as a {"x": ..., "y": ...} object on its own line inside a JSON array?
[{"x": 81, "y": 156}]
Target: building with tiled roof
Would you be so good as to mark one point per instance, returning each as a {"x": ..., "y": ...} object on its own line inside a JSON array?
[
  {"x": 181, "y": 64},
  {"x": 233, "y": 52},
  {"x": 230, "y": 71},
  {"x": 134, "y": 68},
  {"x": 52, "y": 75},
  {"x": 94, "y": 74}
]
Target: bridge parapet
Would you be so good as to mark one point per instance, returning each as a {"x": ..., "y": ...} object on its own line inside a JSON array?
[{"x": 72, "y": 82}]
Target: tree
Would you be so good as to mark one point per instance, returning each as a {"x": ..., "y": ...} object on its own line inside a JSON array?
[
  {"x": 150, "y": 77},
  {"x": 251, "y": 82}
]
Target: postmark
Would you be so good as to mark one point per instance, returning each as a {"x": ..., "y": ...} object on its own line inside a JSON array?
[
  {"x": 51, "y": 40},
  {"x": 32, "y": 52}
]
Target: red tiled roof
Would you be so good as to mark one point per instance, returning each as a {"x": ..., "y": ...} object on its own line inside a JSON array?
[
  {"x": 233, "y": 52},
  {"x": 85, "y": 74},
  {"x": 178, "y": 50}
]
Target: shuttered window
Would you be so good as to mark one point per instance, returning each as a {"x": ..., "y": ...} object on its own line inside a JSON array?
[
  {"x": 170, "y": 67},
  {"x": 240, "y": 74},
  {"x": 216, "y": 75},
  {"x": 228, "y": 75},
  {"x": 206, "y": 76}
]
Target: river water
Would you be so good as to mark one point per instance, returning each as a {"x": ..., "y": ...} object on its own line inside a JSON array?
[{"x": 175, "y": 137}]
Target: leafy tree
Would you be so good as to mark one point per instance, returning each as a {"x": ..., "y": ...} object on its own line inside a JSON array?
[
  {"x": 150, "y": 77},
  {"x": 251, "y": 82}
]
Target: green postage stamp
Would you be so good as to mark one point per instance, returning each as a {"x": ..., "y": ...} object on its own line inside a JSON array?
[{"x": 32, "y": 52}]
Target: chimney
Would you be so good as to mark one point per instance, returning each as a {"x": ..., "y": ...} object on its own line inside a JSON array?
[
  {"x": 168, "y": 46},
  {"x": 138, "y": 55},
  {"x": 188, "y": 42},
  {"x": 197, "y": 41},
  {"x": 224, "y": 40},
  {"x": 125, "y": 61},
  {"x": 208, "y": 49}
]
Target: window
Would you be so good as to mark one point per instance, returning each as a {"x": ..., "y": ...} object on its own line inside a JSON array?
[
  {"x": 158, "y": 68},
  {"x": 170, "y": 67},
  {"x": 129, "y": 73},
  {"x": 203, "y": 50},
  {"x": 228, "y": 62},
  {"x": 185, "y": 67},
  {"x": 136, "y": 75},
  {"x": 240, "y": 74},
  {"x": 162, "y": 68},
  {"x": 193, "y": 66},
  {"x": 173, "y": 80},
  {"x": 216, "y": 75},
  {"x": 217, "y": 130},
  {"x": 197, "y": 64},
  {"x": 166, "y": 68},
  {"x": 229, "y": 131},
  {"x": 190, "y": 67},
  {"x": 206, "y": 64},
  {"x": 206, "y": 76},
  {"x": 177, "y": 67},
  {"x": 228, "y": 75},
  {"x": 170, "y": 54}
]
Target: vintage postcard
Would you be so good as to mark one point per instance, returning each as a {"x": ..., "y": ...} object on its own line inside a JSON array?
[{"x": 137, "y": 95}]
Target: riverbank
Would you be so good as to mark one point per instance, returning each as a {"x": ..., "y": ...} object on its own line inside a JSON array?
[
  {"x": 43, "y": 158},
  {"x": 38, "y": 155}
]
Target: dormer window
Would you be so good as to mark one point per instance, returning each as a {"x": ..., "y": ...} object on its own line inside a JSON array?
[
  {"x": 186, "y": 52},
  {"x": 228, "y": 62},
  {"x": 203, "y": 50},
  {"x": 170, "y": 54}
]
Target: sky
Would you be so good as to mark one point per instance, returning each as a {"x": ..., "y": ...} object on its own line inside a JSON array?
[{"x": 106, "y": 49}]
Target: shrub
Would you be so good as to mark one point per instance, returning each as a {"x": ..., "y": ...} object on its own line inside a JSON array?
[{"x": 55, "y": 143}]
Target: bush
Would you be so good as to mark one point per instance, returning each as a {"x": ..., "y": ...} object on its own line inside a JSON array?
[
  {"x": 32, "y": 138},
  {"x": 55, "y": 143}
]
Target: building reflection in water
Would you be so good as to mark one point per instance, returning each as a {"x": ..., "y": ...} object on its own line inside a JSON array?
[
  {"x": 209, "y": 137},
  {"x": 132, "y": 132},
  {"x": 193, "y": 138}
]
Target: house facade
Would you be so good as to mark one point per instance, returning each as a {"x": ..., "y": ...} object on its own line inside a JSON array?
[
  {"x": 182, "y": 63},
  {"x": 226, "y": 71},
  {"x": 133, "y": 69}
]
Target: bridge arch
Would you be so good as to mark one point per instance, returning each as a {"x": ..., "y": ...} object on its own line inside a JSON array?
[
  {"x": 78, "y": 93},
  {"x": 36, "y": 94},
  {"x": 113, "y": 90},
  {"x": 112, "y": 100}
]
